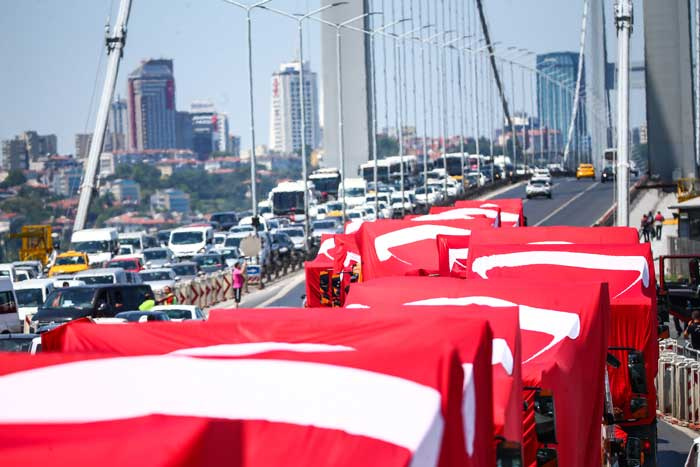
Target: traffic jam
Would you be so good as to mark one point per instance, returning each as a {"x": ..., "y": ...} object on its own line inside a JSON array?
[{"x": 459, "y": 337}]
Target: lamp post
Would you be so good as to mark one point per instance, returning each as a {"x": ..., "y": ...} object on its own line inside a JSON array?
[
  {"x": 339, "y": 88},
  {"x": 253, "y": 181},
  {"x": 443, "y": 94},
  {"x": 372, "y": 35},
  {"x": 299, "y": 18}
]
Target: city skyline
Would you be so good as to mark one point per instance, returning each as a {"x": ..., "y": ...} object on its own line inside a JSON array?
[{"x": 47, "y": 68}]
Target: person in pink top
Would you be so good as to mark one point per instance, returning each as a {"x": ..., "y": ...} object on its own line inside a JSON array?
[{"x": 238, "y": 281}]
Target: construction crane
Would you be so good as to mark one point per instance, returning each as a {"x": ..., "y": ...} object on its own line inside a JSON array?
[{"x": 115, "y": 42}]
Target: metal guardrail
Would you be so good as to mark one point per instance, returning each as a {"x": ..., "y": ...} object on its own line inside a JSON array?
[{"x": 678, "y": 384}]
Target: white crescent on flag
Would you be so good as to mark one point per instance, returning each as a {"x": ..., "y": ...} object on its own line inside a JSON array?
[
  {"x": 558, "y": 324},
  {"x": 384, "y": 243},
  {"x": 484, "y": 264}
]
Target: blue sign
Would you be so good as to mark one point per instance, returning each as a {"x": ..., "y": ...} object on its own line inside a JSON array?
[{"x": 253, "y": 272}]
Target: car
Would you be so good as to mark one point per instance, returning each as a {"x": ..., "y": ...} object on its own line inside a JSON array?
[
  {"x": 125, "y": 250},
  {"x": 225, "y": 219},
  {"x": 131, "y": 264},
  {"x": 585, "y": 171},
  {"x": 35, "y": 266},
  {"x": 158, "y": 257},
  {"x": 542, "y": 174},
  {"x": 242, "y": 229},
  {"x": 96, "y": 301},
  {"x": 370, "y": 215},
  {"x": 296, "y": 235},
  {"x": 185, "y": 270},
  {"x": 385, "y": 210},
  {"x": 159, "y": 279},
  {"x": 181, "y": 312},
  {"x": 209, "y": 262},
  {"x": 31, "y": 294},
  {"x": 607, "y": 175},
  {"x": 219, "y": 239},
  {"x": 9, "y": 313},
  {"x": 231, "y": 256},
  {"x": 26, "y": 343},
  {"x": 433, "y": 196},
  {"x": 70, "y": 262},
  {"x": 538, "y": 187},
  {"x": 142, "y": 316},
  {"x": 323, "y": 227},
  {"x": 103, "y": 276},
  {"x": 334, "y": 209},
  {"x": 356, "y": 215}
]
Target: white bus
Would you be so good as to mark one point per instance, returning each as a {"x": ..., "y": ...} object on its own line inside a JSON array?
[{"x": 99, "y": 244}]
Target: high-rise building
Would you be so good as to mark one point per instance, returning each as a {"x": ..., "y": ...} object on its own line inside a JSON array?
[
  {"x": 117, "y": 124},
  {"x": 285, "y": 111},
  {"x": 555, "y": 104},
  {"x": 183, "y": 130},
  {"x": 151, "y": 106},
  {"x": 234, "y": 143},
  {"x": 82, "y": 145},
  {"x": 19, "y": 151},
  {"x": 209, "y": 129}
]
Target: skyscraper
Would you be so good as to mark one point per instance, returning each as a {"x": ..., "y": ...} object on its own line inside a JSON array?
[
  {"x": 117, "y": 124},
  {"x": 209, "y": 129},
  {"x": 151, "y": 106},
  {"x": 82, "y": 145},
  {"x": 285, "y": 111},
  {"x": 554, "y": 104}
]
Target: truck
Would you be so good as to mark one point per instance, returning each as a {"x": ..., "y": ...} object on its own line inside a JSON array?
[{"x": 99, "y": 244}]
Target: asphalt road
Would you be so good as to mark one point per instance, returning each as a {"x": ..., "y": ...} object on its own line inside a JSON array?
[{"x": 574, "y": 202}]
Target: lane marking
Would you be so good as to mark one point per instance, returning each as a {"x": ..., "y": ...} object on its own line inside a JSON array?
[
  {"x": 560, "y": 208},
  {"x": 283, "y": 291}
]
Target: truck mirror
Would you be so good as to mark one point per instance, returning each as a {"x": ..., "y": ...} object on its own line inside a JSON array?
[
  {"x": 545, "y": 418},
  {"x": 637, "y": 372},
  {"x": 633, "y": 452},
  {"x": 612, "y": 361},
  {"x": 546, "y": 457}
]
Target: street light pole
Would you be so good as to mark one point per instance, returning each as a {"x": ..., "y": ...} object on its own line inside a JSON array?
[
  {"x": 299, "y": 18},
  {"x": 624, "y": 22},
  {"x": 253, "y": 159}
]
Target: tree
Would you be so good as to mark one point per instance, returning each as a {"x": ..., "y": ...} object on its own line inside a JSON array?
[
  {"x": 387, "y": 146},
  {"x": 14, "y": 178}
]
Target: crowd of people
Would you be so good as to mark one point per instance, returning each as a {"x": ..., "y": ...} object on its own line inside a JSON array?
[{"x": 651, "y": 226}]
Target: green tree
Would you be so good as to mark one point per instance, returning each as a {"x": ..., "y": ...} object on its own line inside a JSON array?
[
  {"x": 387, "y": 146},
  {"x": 14, "y": 178}
]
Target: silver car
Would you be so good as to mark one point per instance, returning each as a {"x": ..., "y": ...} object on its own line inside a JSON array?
[
  {"x": 158, "y": 257},
  {"x": 158, "y": 279}
]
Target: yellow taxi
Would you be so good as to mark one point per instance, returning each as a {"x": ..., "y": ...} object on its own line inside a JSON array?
[
  {"x": 70, "y": 262},
  {"x": 335, "y": 209},
  {"x": 585, "y": 171}
]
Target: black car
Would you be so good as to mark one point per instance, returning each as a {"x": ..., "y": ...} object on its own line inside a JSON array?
[
  {"x": 283, "y": 245},
  {"x": 607, "y": 175},
  {"x": 96, "y": 301},
  {"x": 226, "y": 219}
]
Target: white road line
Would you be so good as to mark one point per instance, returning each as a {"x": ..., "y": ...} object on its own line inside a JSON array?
[
  {"x": 283, "y": 291},
  {"x": 560, "y": 208}
]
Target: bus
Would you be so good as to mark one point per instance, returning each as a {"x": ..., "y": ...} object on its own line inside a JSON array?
[
  {"x": 367, "y": 171},
  {"x": 410, "y": 167},
  {"x": 326, "y": 182},
  {"x": 454, "y": 165},
  {"x": 287, "y": 199}
]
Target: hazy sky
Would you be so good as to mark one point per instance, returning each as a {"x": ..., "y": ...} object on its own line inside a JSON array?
[{"x": 51, "y": 49}]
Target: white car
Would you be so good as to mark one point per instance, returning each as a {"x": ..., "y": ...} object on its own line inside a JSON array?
[
  {"x": 31, "y": 294},
  {"x": 158, "y": 279},
  {"x": 356, "y": 215},
  {"x": 397, "y": 205},
  {"x": 538, "y": 187},
  {"x": 219, "y": 239},
  {"x": 433, "y": 196},
  {"x": 181, "y": 312},
  {"x": 542, "y": 174},
  {"x": 370, "y": 215},
  {"x": 385, "y": 211}
]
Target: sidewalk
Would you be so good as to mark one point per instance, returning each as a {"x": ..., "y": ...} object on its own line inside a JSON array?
[{"x": 656, "y": 200}]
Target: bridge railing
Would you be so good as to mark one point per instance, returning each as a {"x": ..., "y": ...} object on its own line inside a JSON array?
[{"x": 678, "y": 383}]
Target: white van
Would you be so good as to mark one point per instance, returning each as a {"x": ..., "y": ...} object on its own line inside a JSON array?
[
  {"x": 186, "y": 242},
  {"x": 136, "y": 239},
  {"x": 8, "y": 270},
  {"x": 9, "y": 319},
  {"x": 31, "y": 294},
  {"x": 355, "y": 191},
  {"x": 103, "y": 276},
  {"x": 99, "y": 244}
]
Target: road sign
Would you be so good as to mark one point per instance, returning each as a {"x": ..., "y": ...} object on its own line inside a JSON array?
[
  {"x": 251, "y": 246},
  {"x": 253, "y": 273}
]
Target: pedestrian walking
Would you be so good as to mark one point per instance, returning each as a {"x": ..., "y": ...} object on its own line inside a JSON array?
[
  {"x": 644, "y": 226},
  {"x": 692, "y": 331},
  {"x": 658, "y": 224},
  {"x": 238, "y": 280}
]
